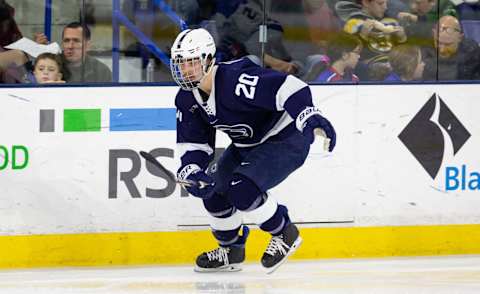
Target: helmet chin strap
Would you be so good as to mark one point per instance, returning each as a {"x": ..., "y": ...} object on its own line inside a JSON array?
[
  {"x": 210, "y": 66},
  {"x": 207, "y": 72}
]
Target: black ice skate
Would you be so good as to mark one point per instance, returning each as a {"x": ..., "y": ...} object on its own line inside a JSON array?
[
  {"x": 224, "y": 258},
  {"x": 281, "y": 247}
]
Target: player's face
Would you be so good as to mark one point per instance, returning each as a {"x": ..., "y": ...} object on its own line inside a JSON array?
[
  {"x": 187, "y": 72},
  {"x": 46, "y": 70},
  {"x": 74, "y": 48},
  {"x": 191, "y": 69}
]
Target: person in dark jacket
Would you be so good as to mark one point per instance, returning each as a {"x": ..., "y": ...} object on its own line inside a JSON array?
[{"x": 452, "y": 56}]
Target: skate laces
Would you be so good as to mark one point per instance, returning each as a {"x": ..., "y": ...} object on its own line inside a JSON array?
[
  {"x": 277, "y": 244},
  {"x": 220, "y": 254}
]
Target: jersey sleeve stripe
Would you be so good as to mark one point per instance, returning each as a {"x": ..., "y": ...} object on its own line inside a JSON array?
[
  {"x": 186, "y": 147},
  {"x": 290, "y": 86}
]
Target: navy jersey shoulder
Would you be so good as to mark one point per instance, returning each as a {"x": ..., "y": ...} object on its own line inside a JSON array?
[
  {"x": 246, "y": 102},
  {"x": 191, "y": 124},
  {"x": 246, "y": 83}
]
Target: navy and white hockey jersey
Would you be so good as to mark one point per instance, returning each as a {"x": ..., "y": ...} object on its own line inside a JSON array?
[{"x": 247, "y": 102}]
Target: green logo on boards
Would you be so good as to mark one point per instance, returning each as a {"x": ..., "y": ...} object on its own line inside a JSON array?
[{"x": 16, "y": 157}]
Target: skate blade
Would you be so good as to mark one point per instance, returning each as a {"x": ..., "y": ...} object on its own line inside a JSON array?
[
  {"x": 235, "y": 267},
  {"x": 293, "y": 248}
]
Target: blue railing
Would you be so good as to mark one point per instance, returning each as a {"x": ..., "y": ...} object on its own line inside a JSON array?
[
  {"x": 48, "y": 19},
  {"x": 118, "y": 18}
]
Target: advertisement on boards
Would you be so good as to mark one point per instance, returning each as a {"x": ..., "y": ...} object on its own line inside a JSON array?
[{"x": 70, "y": 162}]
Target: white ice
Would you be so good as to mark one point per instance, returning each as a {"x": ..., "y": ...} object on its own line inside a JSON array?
[{"x": 453, "y": 274}]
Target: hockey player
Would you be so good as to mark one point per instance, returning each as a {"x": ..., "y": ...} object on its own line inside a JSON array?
[{"x": 270, "y": 118}]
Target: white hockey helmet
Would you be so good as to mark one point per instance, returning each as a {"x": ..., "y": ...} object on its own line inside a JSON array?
[{"x": 192, "y": 56}]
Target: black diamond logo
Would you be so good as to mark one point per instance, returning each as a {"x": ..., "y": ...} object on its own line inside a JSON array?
[{"x": 423, "y": 135}]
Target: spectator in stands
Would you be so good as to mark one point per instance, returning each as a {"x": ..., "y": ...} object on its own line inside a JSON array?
[
  {"x": 406, "y": 63},
  {"x": 9, "y": 31},
  {"x": 458, "y": 57},
  {"x": 238, "y": 26},
  {"x": 48, "y": 68},
  {"x": 345, "y": 8},
  {"x": 417, "y": 21},
  {"x": 378, "y": 34},
  {"x": 12, "y": 62},
  {"x": 322, "y": 21},
  {"x": 12, "y": 58},
  {"x": 76, "y": 43},
  {"x": 344, "y": 52}
]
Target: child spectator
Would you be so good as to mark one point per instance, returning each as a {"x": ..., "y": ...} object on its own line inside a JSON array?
[
  {"x": 48, "y": 68},
  {"x": 344, "y": 51},
  {"x": 406, "y": 62}
]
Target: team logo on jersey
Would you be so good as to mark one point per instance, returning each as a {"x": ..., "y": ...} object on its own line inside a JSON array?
[
  {"x": 433, "y": 130},
  {"x": 193, "y": 108},
  {"x": 239, "y": 131}
]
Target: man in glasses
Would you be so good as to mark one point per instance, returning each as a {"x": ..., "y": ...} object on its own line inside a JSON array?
[{"x": 453, "y": 56}]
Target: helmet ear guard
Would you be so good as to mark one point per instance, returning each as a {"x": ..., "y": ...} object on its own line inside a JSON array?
[{"x": 192, "y": 57}]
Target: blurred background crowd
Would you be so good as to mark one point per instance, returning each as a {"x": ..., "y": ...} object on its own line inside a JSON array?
[{"x": 320, "y": 41}]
